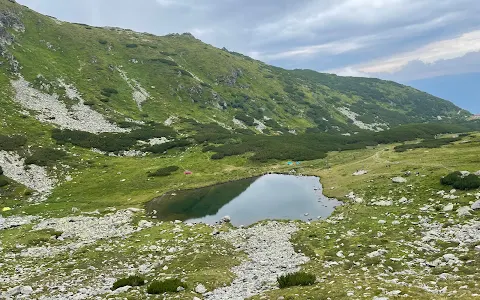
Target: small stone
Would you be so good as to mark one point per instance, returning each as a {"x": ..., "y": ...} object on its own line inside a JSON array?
[
  {"x": 394, "y": 293},
  {"x": 382, "y": 221},
  {"x": 122, "y": 289},
  {"x": 448, "y": 207},
  {"x": 200, "y": 289},
  {"x": 383, "y": 203},
  {"x": 180, "y": 289},
  {"x": 399, "y": 180}
]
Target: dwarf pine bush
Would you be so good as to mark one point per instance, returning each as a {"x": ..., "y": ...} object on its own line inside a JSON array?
[{"x": 296, "y": 279}]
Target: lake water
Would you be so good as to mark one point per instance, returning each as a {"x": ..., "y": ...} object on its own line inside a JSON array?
[{"x": 246, "y": 201}]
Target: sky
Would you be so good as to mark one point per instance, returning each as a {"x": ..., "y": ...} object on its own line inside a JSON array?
[{"x": 429, "y": 44}]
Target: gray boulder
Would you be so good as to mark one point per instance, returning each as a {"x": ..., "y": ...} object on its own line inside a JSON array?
[
  {"x": 476, "y": 205},
  {"x": 463, "y": 211}
]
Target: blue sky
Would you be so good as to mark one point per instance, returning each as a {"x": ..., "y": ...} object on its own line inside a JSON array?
[{"x": 429, "y": 44}]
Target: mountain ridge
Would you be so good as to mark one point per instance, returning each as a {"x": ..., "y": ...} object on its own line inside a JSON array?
[{"x": 123, "y": 74}]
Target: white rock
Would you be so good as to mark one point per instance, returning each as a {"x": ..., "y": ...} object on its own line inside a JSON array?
[
  {"x": 382, "y": 221},
  {"x": 463, "y": 211},
  {"x": 476, "y": 205},
  {"x": 26, "y": 290},
  {"x": 377, "y": 253},
  {"x": 200, "y": 289},
  {"x": 360, "y": 172},
  {"x": 145, "y": 224},
  {"x": 383, "y": 203},
  {"x": 399, "y": 180},
  {"x": 448, "y": 207},
  {"x": 340, "y": 254},
  {"x": 122, "y": 289}
]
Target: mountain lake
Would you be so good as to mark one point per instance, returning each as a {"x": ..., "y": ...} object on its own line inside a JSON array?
[{"x": 247, "y": 201}]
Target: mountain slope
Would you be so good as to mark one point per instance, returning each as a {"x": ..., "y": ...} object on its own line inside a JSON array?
[{"x": 123, "y": 74}]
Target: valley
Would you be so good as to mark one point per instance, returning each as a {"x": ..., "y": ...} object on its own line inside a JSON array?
[{"x": 98, "y": 122}]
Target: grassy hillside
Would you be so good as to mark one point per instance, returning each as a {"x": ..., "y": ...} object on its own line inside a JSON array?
[{"x": 121, "y": 73}]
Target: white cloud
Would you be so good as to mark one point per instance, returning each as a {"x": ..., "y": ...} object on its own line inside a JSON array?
[
  {"x": 333, "y": 48},
  {"x": 428, "y": 54},
  {"x": 330, "y": 17},
  {"x": 349, "y": 71}
]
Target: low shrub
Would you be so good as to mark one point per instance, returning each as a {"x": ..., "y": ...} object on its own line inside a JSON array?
[
  {"x": 469, "y": 182},
  {"x": 165, "y": 286},
  {"x": 451, "y": 178},
  {"x": 249, "y": 121},
  {"x": 428, "y": 143},
  {"x": 130, "y": 281},
  {"x": 45, "y": 157},
  {"x": 107, "y": 92},
  {"x": 296, "y": 279},
  {"x": 131, "y": 45},
  {"x": 4, "y": 182},
  {"x": 103, "y": 42},
  {"x": 164, "y": 61},
  {"x": 459, "y": 182},
  {"x": 1, "y": 171},
  {"x": 113, "y": 142},
  {"x": 164, "y": 171},
  {"x": 158, "y": 149},
  {"x": 13, "y": 142}
]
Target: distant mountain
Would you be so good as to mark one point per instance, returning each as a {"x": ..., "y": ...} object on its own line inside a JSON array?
[{"x": 94, "y": 79}]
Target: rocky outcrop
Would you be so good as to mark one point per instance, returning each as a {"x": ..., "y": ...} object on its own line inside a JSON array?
[
  {"x": 33, "y": 177},
  {"x": 80, "y": 231},
  {"x": 9, "y": 20},
  {"x": 50, "y": 109},
  {"x": 15, "y": 221}
]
